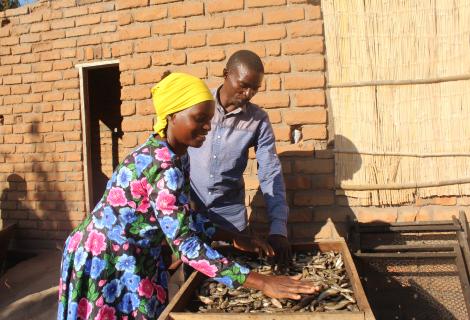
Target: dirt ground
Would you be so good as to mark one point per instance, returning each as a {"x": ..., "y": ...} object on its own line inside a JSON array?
[{"x": 29, "y": 290}]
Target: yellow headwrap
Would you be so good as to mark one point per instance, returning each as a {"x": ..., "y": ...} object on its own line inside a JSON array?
[{"x": 178, "y": 91}]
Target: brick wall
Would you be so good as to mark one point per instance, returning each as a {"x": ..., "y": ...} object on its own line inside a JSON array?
[{"x": 41, "y": 152}]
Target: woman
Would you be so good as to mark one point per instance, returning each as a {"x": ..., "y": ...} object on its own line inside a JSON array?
[{"x": 112, "y": 266}]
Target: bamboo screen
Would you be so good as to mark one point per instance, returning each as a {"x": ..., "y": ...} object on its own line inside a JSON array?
[{"x": 399, "y": 93}]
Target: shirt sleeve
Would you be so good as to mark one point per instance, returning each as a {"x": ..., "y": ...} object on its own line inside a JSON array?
[
  {"x": 173, "y": 215},
  {"x": 271, "y": 179}
]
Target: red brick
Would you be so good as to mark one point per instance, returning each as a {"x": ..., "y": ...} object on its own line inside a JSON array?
[
  {"x": 266, "y": 33},
  {"x": 165, "y": 28},
  {"x": 42, "y": 46},
  {"x": 87, "y": 20},
  {"x": 53, "y": 116},
  {"x": 244, "y": 20},
  {"x": 134, "y": 63},
  {"x": 53, "y": 96},
  {"x": 284, "y": 15},
  {"x": 102, "y": 28},
  {"x": 4, "y": 90},
  {"x": 10, "y": 60},
  {"x": 64, "y": 126},
  {"x": 370, "y": 214},
  {"x": 314, "y": 198},
  {"x": 316, "y": 115},
  {"x": 20, "y": 49},
  {"x": 134, "y": 32},
  {"x": 67, "y": 84},
  {"x": 65, "y": 43},
  {"x": 304, "y": 81},
  {"x": 150, "y": 14},
  {"x": 444, "y": 201},
  {"x": 310, "y": 98},
  {"x": 74, "y": 12},
  {"x": 62, "y": 24},
  {"x": 51, "y": 55},
  {"x": 186, "y": 9},
  {"x": 305, "y": 29},
  {"x": 217, "y": 70},
  {"x": 101, "y": 7},
  {"x": 215, "y": 6},
  {"x": 21, "y": 89},
  {"x": 52, "y": 35},
  {"x": 272, "y": 100},
  {"x": 264, "y": 3},
  {"x": 303, "y": 46},
  {"x": 273, "y": 83},
  {"x": 313, "y": 12},
  {"x": 4, "y": 51},
  {"x": 62, "y": 65},
  {"x": 224, "y": 38},
  {"x": 5, "y": 70},
  {"x": 205, "y": 23},
  {"x": 28, "y": 38},
  {"x": 276, "y": 66},
  {"x": 76, "y": 32},
  {"x": 14, "y": 79},
  {"x": 316, "y": 132},
  {"x": 314, "y": 166},
  {"x": 51, "y": 76},
  {"x": 68, "y": 53},
  {"x": 129, "y": 4},
  {"x": 11, "y": 41},
  {"x": 308, "y": 63},
  {"x": 274, "y": 116},
  {"x": 148, "y": 76},
  {"x": 137, "y": 124},
  {"x": 188, "y": 41},
  {"x": 41, "y": 87},
  {"x": 202, "y": 55},
  {"x": 12, "y": 100},
  {"x": 73, "y": 136},
  {"x": 135, "y": 93},
  {"x": 30, "y": 58},
  {"x": 282, "y": 133},
  {"x": 151, "y": 45},
  {"x": 122, "y": 49},
  {"x": 87, "y": 41},
  {"x": 297, "y": 182},
  {"x": 40, "y": 27}
]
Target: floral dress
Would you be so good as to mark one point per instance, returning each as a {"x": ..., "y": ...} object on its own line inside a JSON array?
[{"x": 112, "y": 266}]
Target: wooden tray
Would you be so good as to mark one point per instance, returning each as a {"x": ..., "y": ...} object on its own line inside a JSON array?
[{"x": 176, "y": 307}]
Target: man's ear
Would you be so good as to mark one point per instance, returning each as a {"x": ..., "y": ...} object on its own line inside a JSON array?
[{"x": 225, "y": 73}]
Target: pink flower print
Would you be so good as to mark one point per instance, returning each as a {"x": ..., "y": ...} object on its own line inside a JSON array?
[
  {"x": 161, "y": 293},
  {"x": 61, "y": 289},
  {"x": 141, "y": 188},
  {"x": 184, "y": 259},
  {"x": 116, "y": 247},
  {"x": 101, "y": 283},
  {"x": 95, "y": 243},
  {"x": 162, "y": 154},
  {"x": 146, "y": 150},
  {"x": 161, "y": 184},
  {"x": 90, "y": 226},
  {"x": 99, "y": 302},
  {"x": 75, "y": 241},
  {"x": 176, "y": 242},
  {"x": 106, "y": 313},
  {"x": 166, "y": 202},
  {"x": 204, "y": 266},
  {"x": 125, "y": 246},
  {"x": 84, "y": 309},
  {"x": 145, "y": 288},
  {"x": 164, "y": 165},
  {"x": 117, "y": 197},
  {"x": 152, "y": 219},
  {"x": 224, "y": 260},
  {"x": 132, "y": 204}
]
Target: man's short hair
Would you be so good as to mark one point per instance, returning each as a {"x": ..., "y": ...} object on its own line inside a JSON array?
[{"x": 246, "y": 58}]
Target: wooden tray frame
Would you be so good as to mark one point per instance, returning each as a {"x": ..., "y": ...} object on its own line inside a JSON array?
[{"x": 174, "y": 310}]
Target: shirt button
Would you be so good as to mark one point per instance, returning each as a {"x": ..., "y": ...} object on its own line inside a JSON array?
[
  {"x": 218, "y": 137},
  {"x": 215, "y": 156},
  {"x": 210, "y": 192},
  {"x": 212, "y": 176}
]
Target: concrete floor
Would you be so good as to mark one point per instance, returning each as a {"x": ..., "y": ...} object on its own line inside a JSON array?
[{"x": 29, "y": 290}]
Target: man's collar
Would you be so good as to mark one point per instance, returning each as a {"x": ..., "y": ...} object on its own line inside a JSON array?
[{"x": 219, "y": 104}]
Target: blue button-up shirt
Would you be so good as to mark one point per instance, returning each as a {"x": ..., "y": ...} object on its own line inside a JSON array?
[{"x": 217, "y": 168}]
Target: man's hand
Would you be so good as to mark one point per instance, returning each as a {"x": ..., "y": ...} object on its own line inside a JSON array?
[
  {"x": 282, "y": 250},
  {"x": 253, "y": 244}
]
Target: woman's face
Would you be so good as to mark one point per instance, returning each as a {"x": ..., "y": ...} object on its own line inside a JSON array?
[{"x": 190, "y": 126}]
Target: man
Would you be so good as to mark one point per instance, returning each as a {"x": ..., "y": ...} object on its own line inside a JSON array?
[{"x": 217, "y": 186}]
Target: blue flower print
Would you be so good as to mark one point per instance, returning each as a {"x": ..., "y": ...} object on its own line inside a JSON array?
[
  {"x": 211, "y": 253},
  {"x": 126, "y": 263},
  {"x": 131, "y": 281},
  {"x": 164, "y": 276},
  {"x": 144, "y": 243},
  {"x": 155, "y": 251},
  {"x": 151, "y": 307},
  {"x": 148, "y": 231},
  {"x": 72, "y": 311},
  {"x": 243, "y": 269},
  {"x": 79, "y": 259},
  {"x": 141, "y": 162},
  {"x": 65, "y": 267},
  {"x": 190, "y": 248},
  {"x": 169, "y": 226},
  {"x": 60, "y": 312},
  {"x": 173, "y": 178},
  {"x": 129, "y": 303},
  {"x": 124, "y": 177},
  {"x": 111, "y": 181},
  {"x": 116, "y": 234},
  {"x": 108, "y": 218},
  {"x": 112, "y": 290},
  {"x": 87, "y": 267},
  {"x": 183, "y": 199},
  {"x": 97, "y": 266},
  {"x": 127, "y": 215},
  {"x": 225, "y": 280}
]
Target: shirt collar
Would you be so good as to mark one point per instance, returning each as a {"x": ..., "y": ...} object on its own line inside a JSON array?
[{"x": 220, "y": 108}]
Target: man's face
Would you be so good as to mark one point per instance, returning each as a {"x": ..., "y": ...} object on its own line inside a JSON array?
[{"x": 241, "y": 84}]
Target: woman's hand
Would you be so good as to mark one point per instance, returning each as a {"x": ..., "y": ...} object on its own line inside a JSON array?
[
  {"x": 280, "y": 286},
  {"x": 253, "y": 244}
]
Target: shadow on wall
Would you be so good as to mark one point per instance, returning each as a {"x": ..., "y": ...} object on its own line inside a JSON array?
[
  {"x": 310, "y": 189},
  {"x": 33, "y": 199}
]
